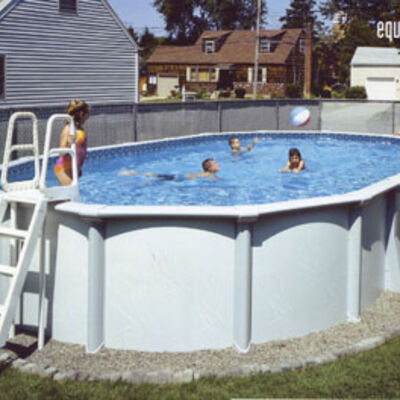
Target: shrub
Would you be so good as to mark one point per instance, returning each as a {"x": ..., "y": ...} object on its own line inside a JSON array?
[
  {"x": 337, "y": 94},
  {"x": 240, "y": 93},
  {"x": 225, "y": 93},
  {"x": 293, "y": 91},
  {"x": 355, "y": 92},
  {"x": 277, "y": 96},
  {"x": 326, "y": 94}
]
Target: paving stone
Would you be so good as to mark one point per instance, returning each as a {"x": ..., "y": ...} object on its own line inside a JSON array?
[
  {"x": 159, "y": 377},
  {"x": 5, "y": 357},
  {"x": 264, "y": 368},
  {"x": 135, "y": 376},
  {"x": 18, "y": 363},
  {"x": 28, "y": 367},
  {"x": 370, "y": 343},
  {"x": 67, "y": 375},
  {"x": 112, "y": 376},
  {"x": 201, "y": 373},
  {"x": 184, "y": 376}
]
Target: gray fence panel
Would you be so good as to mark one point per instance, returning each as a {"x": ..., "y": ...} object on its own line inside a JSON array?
[
  {"x": 156, "y": 121},
  {"x": 396, "y": 117},
  {"x": 248, "y": 115},
  {"x": 357, "y": 116},
  {"x": 111, "y": 124},
  {"x": 286, "y": 107}
]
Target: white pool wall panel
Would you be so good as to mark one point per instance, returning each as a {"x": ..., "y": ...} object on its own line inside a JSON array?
[
  {"x": 300, "y": 267},
  {"x": 169, "y": 284},
  {"x": 373, "y": 250}
]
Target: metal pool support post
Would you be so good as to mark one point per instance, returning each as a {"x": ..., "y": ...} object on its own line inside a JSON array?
[
  {"x": 96, "y": 275},
  {"x": 354, "y": 262},
  {"x": 242, "y": 286}
]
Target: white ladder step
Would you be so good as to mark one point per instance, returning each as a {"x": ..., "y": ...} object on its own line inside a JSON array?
[
  {"x": 14, "y": 233},
  {"x": 7, "y": 270},
  {"x": 22, "y": 196},
  {"x": 2, "y": 310}
]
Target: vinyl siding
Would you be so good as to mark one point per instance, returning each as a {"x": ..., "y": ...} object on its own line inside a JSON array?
[{"x": 52, "y": 57}]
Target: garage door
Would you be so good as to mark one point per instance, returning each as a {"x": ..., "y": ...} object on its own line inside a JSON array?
[
  {"x": 166, "y": 83},
  {"x": 380, "y": 89}
]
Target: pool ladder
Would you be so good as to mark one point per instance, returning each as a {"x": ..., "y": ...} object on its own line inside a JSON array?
[{"x": 23, "y": 242}]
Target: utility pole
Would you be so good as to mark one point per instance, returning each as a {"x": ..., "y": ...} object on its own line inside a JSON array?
[{"x": 256, "y": 51}]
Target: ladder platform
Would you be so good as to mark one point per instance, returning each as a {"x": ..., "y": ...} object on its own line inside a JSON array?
[
  {"x": 7, "y": 270},
  {"x": 12, "y": 232},
  {"x": 21, "y": 196}
]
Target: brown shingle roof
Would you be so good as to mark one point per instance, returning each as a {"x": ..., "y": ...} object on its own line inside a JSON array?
[{"x": 238, "y": 48}]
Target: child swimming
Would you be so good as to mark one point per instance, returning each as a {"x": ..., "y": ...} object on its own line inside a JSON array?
[
  {"x": 295, "y": 163},
  {"x": 234, "y": 143},
  {"x": 79, "y": 110},
  {"x": 210, "y": 168}
]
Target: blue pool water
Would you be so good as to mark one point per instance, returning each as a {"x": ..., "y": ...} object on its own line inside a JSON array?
[{"x": 335, "y": 164}]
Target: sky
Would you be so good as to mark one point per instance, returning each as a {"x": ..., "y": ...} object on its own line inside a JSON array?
[{"x": 141, "y": 13}]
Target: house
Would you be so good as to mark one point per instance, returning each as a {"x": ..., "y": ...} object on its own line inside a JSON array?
[
  {"x": 225, "y": 59},
  {"x": 378, "y": 70},
  {"x": 52, "y": 51}
]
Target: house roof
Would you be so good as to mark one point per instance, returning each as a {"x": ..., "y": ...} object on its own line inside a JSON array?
[
  {"x": 238, "y": 48},
  {"x": 6, "y": 5},
  {"x": 384, "y": 56}
]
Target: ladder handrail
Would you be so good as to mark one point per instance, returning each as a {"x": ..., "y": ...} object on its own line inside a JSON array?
[
  {"x": 47, "y": 152},
  {"x": 9, "y": 148}
]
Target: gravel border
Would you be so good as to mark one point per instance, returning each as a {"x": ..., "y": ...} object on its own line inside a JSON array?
[{"x": 379, "y": 323}]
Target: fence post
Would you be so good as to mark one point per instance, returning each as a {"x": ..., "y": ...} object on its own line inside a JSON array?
[
  {"x": 219, "y": 116},
  {"x": 393, "y": 117},
  {"x": 135, "y": 113},
  {"x": 277, "y": 114}
]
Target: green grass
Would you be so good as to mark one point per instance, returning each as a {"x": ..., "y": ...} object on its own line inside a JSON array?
[{"x": 372, "y": 374}]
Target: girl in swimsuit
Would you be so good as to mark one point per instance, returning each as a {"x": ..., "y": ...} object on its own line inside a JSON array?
[
  {"x": 295, "y": 162},
  {"x": 79, "y": 110}
]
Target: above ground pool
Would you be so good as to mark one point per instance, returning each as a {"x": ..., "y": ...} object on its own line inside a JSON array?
[
  {"x": 153, "y": 264},
  {"x": 335, "y": 164}
]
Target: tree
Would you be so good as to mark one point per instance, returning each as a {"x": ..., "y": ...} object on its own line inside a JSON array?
[
  {"x": 187, "y": 19},
  {"x": 299, "y": 13}
]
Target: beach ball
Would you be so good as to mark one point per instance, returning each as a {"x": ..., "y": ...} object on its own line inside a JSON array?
[{"x": 300, "y": 116}]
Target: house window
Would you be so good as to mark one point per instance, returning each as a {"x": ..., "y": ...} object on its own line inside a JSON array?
[
  {"x": 302, "y": 45},
  {"x": 261, "y": 76},
  {"x": 209, "y": 46},
  {"x": 2, "y": 76},
  {"x": 68, "y": 6},
  {"x": 203, "y": 74},
  {"x": 265, "y": 45}
]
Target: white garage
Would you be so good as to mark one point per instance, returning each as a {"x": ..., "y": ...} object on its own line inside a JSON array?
[
  {"x": 380, "y": 88},
  {"x": 166, "y": 83},
  {"x": 378, "y": 70}
]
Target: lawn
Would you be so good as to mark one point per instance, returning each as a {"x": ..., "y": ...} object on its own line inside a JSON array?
[{"x": 372, "y": 374}]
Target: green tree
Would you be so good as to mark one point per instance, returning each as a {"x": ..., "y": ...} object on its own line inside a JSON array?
[
  {"x": 187, "y": 19},
  {"x": 298, "y": 14},
  {"x": 147, "y": 43}
]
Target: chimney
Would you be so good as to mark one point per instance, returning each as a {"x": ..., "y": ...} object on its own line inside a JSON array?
[{"x": 308, "y": 60}]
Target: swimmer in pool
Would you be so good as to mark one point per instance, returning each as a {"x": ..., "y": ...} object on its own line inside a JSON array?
[
  {"x": 210, "y": 168},
  {"x": 295, "y": 163},
  {"x": 234, "y": 143}
]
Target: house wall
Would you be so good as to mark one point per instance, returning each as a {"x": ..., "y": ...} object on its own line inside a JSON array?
[
  {"x": 54, "y": 57},
  {"x": 276, "y": 76},
  {"x": 359, "y": 75}
]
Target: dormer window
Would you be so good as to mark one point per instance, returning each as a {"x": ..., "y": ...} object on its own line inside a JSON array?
[
  {"x": 302, "y": 45},
  {"x": 68, "y": 6},
  {"x": 209, "y": 46},
  {"x": 265, "y": 45}
]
